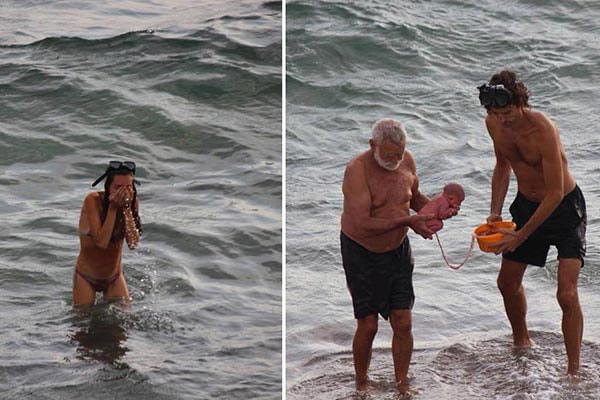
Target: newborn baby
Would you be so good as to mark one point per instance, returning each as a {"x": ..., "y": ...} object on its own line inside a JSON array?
[{"x": 443, "y": 206}]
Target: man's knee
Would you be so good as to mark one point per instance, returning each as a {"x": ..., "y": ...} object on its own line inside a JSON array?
[
  {"x": 510, "y": 277},
  {"x": 508, "y": 287},
  {"x": 567, "y": 298},
  {"x": 367, "y": 325},
  {"x": 401, "y": 322}
]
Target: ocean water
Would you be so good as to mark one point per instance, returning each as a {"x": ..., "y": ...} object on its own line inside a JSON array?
[
  {"x": 350, "y": 63},
  {"x": 191, "y": 91}
]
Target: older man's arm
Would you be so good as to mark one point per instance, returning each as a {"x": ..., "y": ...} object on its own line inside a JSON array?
[{"x": 418, "y": 199}]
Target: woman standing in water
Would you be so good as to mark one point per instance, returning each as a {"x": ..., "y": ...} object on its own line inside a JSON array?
[{"x": 107, "y": 217}]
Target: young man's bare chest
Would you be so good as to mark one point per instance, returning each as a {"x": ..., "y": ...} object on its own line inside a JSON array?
[{"x": 521, "y": 149}]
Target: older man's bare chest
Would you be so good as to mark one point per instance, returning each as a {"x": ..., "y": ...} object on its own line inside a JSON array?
[{"x": 390, "y": 187}]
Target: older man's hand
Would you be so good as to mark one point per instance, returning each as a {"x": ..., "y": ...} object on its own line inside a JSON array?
[{"x": 418, "y": 224}]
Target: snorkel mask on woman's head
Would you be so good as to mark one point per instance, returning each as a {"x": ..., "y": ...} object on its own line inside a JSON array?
[
  {"x": 494, "y": 95},
  {"x": 114, "y": 166}
]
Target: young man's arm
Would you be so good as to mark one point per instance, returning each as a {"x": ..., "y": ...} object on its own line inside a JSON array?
[{"x": 500, "y": 181}]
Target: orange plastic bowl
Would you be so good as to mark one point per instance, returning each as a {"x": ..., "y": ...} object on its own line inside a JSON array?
[{"x": 484, "y": 239}]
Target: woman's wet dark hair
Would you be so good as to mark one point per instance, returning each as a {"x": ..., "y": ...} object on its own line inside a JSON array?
[
  {"x": 105, "y": 201},
  {"x": 520, "y": 94}
]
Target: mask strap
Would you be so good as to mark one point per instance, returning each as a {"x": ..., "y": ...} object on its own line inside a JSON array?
[
  {"x": 104, "y": 176},
  {"x": 99, "y": 179}
]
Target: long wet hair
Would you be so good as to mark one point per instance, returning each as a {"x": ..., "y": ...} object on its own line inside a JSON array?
[
  {"x": 520, "y": 94},
  {"x": 106, "y": 202}
]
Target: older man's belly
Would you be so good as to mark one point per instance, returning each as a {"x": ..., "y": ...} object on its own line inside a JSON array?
[
  {"x": 384, "y": 242},
  {"x": 381, "y": 242}
]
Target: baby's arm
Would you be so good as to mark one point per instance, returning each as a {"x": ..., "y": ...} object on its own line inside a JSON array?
[{"x": 445, "y": 210}]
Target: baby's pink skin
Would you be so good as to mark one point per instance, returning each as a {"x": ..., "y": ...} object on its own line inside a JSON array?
[{"x": 444, "y": 205}]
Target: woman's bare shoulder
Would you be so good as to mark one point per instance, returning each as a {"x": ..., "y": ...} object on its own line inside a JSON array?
[
  {"x": 93, "y": 200},
  {"x": 94, "y": 195}
]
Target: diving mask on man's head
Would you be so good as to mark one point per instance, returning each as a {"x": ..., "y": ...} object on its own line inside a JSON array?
[
  {"x": 117, "y": 166},
  {"x": 494, "y": 95}
]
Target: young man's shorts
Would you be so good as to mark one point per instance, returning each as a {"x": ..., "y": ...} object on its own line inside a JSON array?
[
  {"x": 564, "y": 228},
  {"x": 378, "y": 282}
]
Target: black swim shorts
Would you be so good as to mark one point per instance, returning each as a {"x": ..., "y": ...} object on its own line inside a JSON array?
[
  {"x": 378, "y": 282},
  {"x": 564, "y": 228}
]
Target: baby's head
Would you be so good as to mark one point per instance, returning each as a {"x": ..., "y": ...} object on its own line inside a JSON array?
[{"x": 454, "y": 193}]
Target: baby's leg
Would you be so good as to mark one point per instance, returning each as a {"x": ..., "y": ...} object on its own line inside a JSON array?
[{"x": 435, "y": 224}]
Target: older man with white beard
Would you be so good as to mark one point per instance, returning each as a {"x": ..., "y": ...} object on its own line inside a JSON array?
[{"x": 380, "y": 187}]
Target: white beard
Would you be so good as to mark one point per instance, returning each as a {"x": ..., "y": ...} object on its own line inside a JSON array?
[{"x": 385, "y": 165}]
